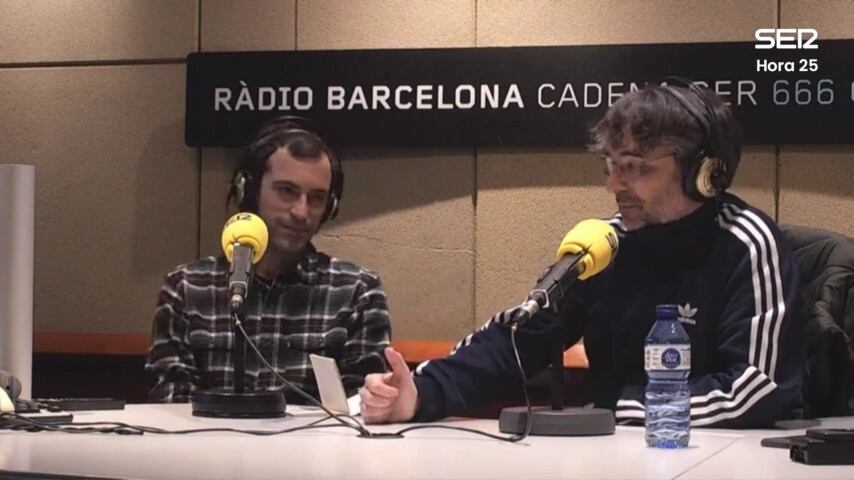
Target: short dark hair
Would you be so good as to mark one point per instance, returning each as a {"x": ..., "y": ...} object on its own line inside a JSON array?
[
  {"x": 654, "y": 116},
  {"x": 301, "y": 140}
]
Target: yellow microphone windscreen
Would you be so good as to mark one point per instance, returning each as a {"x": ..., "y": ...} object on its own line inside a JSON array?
[
  {"x": 597, "y": 238},
  {"x": 245, "y": 229}
]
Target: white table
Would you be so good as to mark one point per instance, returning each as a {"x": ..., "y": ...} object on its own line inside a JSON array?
[
  {"x": 339, "y": 453},
  {"x": 744, "y": 458}
]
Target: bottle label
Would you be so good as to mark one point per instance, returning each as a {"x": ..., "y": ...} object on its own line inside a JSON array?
[{"x": 667, "y": 357}]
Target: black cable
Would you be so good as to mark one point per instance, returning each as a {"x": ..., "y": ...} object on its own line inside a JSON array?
[
  {"x": 22, "y": 422},
  {"x": 365, "y": 433},
  {"x": 16, "y": 422},
  {"x": 530, "y": 417},
  {"x": 511, "y": 439},
  {"x": 362, "y": 430}
]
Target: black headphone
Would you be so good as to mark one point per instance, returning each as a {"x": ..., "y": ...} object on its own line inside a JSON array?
[
  {"x": 245, "y": 186},
  {"x": 10, "y": 384},
  {"x": 708, "y": 173}
]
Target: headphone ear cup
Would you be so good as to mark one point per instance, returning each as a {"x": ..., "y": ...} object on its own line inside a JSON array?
[
  {"x": 10, "y": 384},
  {"x": 331, "y": 208},
  {"x": 239, "y": 186},
  {"x": 244, "y": 192},
  {"x": 704, "y": 181},
  {"x": 336, "y": 188}
]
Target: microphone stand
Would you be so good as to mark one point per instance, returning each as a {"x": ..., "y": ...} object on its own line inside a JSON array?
[
  {"x": 238, "y": 402},
  {"x": 556, "y": 419}
]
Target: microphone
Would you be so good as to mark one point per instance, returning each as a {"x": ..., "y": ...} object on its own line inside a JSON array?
[
  {"x": 244, "y": 241},
  {"x": 585, "y": 251}
]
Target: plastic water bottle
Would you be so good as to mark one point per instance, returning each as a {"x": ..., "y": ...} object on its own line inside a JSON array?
[{"x": 667, "y": 355}]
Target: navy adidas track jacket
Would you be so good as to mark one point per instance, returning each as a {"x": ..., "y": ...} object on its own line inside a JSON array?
[{"x": 736, "y": 285}]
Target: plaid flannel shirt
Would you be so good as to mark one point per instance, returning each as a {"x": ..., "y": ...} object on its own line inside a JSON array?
[{"x": 326, "y": 306}]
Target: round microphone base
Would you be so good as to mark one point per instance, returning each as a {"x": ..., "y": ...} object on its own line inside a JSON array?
[
  {"x": 566, "y": 422},
  {"x": 224, "y": 403}
]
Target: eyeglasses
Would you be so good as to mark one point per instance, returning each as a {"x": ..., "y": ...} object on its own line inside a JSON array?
[
  {"x": 631, "y": 168},
  {"x": 291, "y": 194}
]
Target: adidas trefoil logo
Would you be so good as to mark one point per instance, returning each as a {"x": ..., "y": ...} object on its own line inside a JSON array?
[{"x": 686, "y": 314}]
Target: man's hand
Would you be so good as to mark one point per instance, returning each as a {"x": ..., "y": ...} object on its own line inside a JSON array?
[{"x": 392, "y": 396}]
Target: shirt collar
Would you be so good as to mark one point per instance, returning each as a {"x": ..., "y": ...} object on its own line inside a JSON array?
[{"x": 305, "y": 271}]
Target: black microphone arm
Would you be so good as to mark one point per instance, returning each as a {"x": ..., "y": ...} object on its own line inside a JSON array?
[{"x": 551, "y": 288}]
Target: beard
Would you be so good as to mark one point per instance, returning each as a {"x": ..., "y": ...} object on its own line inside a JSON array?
[
  {"x": 287, "y": 245},
  {"x": 632, "y": 210}
]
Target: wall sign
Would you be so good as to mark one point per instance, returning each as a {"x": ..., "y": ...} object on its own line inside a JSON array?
[{"x": 783, "y": 93}]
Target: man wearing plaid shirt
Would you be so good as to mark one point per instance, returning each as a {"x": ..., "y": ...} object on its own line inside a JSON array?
[{"x": 301, "y": 301}]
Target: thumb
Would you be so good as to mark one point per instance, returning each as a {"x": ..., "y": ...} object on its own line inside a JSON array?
[{"x": 396, "y": 361}]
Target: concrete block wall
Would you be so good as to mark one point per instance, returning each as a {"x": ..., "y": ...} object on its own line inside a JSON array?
[{"x": 92, "y": 93}]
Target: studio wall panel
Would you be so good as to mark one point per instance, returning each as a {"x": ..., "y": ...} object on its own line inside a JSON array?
[
  {"x": 217, "y": 167},
  {"x": 96, "y": 30},
  {"x": 756, "y": 180},
  {"x": 526, "y": 202},
  {"x": 429, "y": 290},
  {"x": 116, "y": 189},
  {"x": 342, "y": 24},
  {"x": 409, "y": 216},
  {"x": 815, "y": 181},
  {"x": 832, "y": 18},
  {"x": 227, "y": 25},
  {"x": 583, "y": 22},
  {"x": 816, "y": 189}
]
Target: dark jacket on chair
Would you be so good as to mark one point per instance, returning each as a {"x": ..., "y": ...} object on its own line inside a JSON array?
[{"x": 826, "y": 263}]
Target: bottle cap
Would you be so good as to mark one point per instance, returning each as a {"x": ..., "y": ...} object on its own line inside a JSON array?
[{"x": 665, "y": 311}]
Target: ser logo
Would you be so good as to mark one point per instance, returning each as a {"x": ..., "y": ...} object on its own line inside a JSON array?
[{"x": 786, "y": 39}]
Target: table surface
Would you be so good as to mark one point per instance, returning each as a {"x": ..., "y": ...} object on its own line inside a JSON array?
[{"x": 433, "y": 453}]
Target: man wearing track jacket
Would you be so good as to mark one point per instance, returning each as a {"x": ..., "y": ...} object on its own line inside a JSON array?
[{"x": 670, "y": 153}]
